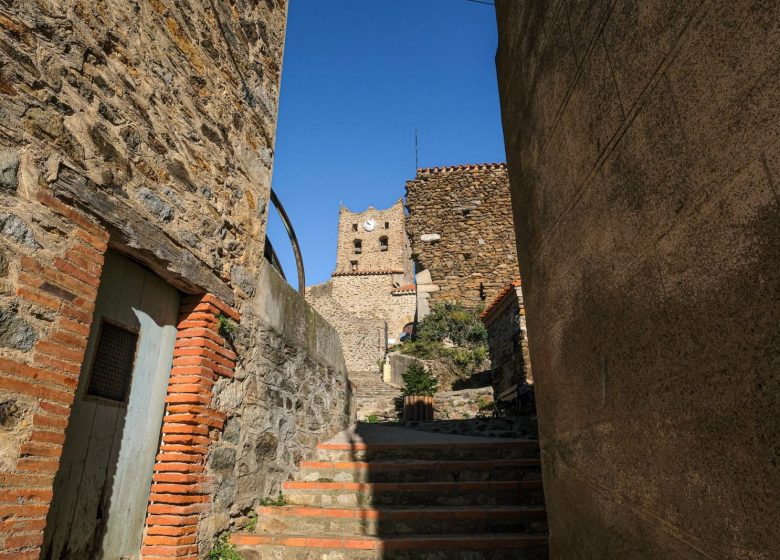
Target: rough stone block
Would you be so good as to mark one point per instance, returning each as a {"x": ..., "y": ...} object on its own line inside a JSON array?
[{"x": 9, "y": 169}]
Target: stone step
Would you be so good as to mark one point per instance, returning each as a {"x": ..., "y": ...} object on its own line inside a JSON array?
[
  {"x": 358, "y": 494},
  {"x": 401, "y": 521},
  {"x": 415, "y": 547},
  {"x": 420, "y": 471},
  {"x": 445, "y": 451}
]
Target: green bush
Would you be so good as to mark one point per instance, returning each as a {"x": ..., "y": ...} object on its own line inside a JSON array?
[
  {"x": 419, "y": 381},
  {"x": 278, "y": 501},
  {"x": 372, "y": 419},
  {"x": 224, "y": 550},
  {"x": 451, "y": 321}
]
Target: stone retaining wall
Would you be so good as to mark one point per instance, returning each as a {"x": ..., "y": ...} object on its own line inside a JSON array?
[{"x": 461, "y": 230}]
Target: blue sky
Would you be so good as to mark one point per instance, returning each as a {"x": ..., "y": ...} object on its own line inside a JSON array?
[{"x": 359, "y": 77}]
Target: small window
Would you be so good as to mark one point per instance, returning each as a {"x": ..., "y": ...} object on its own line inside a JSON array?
[
  {"x": 113, "y": 363},
  {"x": 383, "y": 243},
  {"x": 354, "y": 265},
  {"x": 354, "y": 227},
  {"x": 387, "y": 225},
  {"x": 358, "y": 246}
]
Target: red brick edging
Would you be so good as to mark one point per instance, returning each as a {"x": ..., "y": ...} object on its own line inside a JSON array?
[{"x": 180, "y": 487}]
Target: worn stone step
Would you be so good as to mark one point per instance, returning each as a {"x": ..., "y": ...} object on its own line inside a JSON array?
[
  {"x": 412, "y": 547},
  {"x": 420, "y": 471},
  {"x": 354, "y": 494},
  {"x": 401, "y": 521},
  {"x": 444, "y": 450}
]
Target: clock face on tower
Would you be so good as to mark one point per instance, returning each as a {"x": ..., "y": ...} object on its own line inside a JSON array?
[{"x": 369, "y": 225}]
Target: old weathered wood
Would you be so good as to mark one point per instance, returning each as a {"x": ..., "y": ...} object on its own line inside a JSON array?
[
  {"x": 101, "y": 491},
  {"x": 418, "y": 408},
  {"x": 134, "y": 235}
]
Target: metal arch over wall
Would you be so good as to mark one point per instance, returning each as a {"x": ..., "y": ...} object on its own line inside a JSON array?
[{"x": 293, "y": 240}]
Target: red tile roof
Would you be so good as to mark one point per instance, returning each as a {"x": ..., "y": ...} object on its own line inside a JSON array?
[{"x": 505, "y": 291}]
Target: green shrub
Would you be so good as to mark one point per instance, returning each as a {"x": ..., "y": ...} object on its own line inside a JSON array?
[
  {"x": 278, "y": 501},
  {"x": 224, "y": 550},
  {"x": 251, "y": 525},
  {"x": 422, "y": 349},
  {"x": 451, "y": 321},
  {"x": 372, "y": 419},
  {"x": 227, "y": 327},
  {"x": 419, "y": 381}
]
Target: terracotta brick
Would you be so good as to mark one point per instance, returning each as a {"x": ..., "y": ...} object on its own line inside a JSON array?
[
  {"x": 65, "y": 337},
  {"x": 12, "y": 480},
  {"x": 87, "y": 253},
  {"x": 178, "y": 498},
  {"x": 200, "y": 333},
  {"x": 73, "y": 326},
  {"x": 24, "y": 387},
  {"x": 38, "y": 449},
  {"x": 176, "y": 448},
  {"x": 15, "y": 525},
  {"x": 57, "y": 364},
  {"x": 179, "y": 458},
  {"x": 70, "y": 212},
  {"x": 169, "y": 428},
  {"x": 23, "y": 540},
  {"x": 200, "y": 371},
  {"x": 195, "y": 419},
  {"x": 59, "y": 351},
  {"x": 179, "y": 488},
  {"x": 169, "y": 551},
  {"x": 45, "y": 421},
  {"x": 188, "y": 398},
  {"x": 35, "y": 464},
  {"x": 171, "y": 530},
  {"x": 179, "y": 467},
  {"x": 204, "y": 382},
  {"x": 25, "y": 495},
  {"x": 34, "y": 282},
  {"x": 169, "y": 540},
  {"x": 98, "y": 242},
  {"x": 206, "y": 343},
  {"x": 196, "y": 409},
  {"x": 39, "y": 436},
  {"x": 186, "y": 439},
  {"x": 23, "y": 510},
  {"x": 78, "y": 314},
  {"x": 55, "y": 409},
  {"x": 184, "y": 522},
  {"x": 174, "y": 509},
  {"x": 200, "y": 317},
  {"x": 38, "y": 298},
  {"x": 61, "y": 380},
  {"x": 21, "y": 555},
  {"x": 222, "y": 306},
  {"x": 180, "y": 478}
]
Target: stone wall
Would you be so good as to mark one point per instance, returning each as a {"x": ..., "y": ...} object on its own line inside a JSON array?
[
  {"x": 375, "y": 255},
  {"x": 643, "y": 150},
  {"x": 505, "y": 322},
  {"x": 367, "y": 312},
  {"x": 146, "y": 127},
  {"x": 290, "y": 391},
  {"x": 460, "y": 226}
]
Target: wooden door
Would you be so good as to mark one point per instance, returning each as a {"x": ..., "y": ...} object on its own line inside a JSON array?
[{"x": 102, "y": 486}]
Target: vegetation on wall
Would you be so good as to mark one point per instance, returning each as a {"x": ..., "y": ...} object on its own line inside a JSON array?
[
  {"x": 453, "y": 334},
  {"x": 419, "y": 381}
]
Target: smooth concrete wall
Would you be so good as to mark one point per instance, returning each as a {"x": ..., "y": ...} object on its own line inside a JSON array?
[{"x": 643, "y": 141}]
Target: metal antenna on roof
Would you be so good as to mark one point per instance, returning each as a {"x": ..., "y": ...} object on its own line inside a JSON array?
[{"x": 416, "y": 152}]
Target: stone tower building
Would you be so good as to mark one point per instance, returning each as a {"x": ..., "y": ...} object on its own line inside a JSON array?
[
  {"x": 462, "y": 233},
  {"x": 371, "y": 296}
]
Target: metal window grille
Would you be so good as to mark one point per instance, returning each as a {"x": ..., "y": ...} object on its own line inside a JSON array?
[{"x": 112, "y": 366}]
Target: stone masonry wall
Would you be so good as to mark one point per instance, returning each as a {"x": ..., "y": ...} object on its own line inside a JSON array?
[
  {"x": 508, "y": 339},
  {"x": 388, "y": 224},
  {"x": 460, "y": 226},
  {"x": 643, "y": 149},
  {"x": 366, "y": 311},
  {"x": 168, "y": 108},
  {"x": 290, "y": 391},
  {"x": 146, "y": 127}
]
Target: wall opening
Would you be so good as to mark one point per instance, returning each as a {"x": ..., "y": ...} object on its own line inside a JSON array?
[
  {"x": 383, "y": 243},
  {"x": 102, "y": 485},
  {"x": 358, "y": 244}
]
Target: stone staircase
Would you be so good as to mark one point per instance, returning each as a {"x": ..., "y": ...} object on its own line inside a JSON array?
[
  {"x": 435, "y": 500},
  {"x": 374, "y": 397}
]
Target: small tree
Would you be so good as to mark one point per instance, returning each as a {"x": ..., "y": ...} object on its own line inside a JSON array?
[{"x": 419, "y": 381}]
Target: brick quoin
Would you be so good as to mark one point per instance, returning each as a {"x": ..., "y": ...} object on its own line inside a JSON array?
[
  {"x": 180, "y": 488},
  {"x": 64, "y": 286}
]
